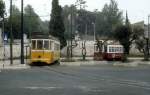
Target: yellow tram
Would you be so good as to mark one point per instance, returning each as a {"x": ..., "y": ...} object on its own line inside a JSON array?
[{"x": 44, "y": 49}]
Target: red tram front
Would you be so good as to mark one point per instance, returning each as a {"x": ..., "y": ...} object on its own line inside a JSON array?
[
  {"x": 108, "y": 51},
  {"x": 113, "y": 52}
]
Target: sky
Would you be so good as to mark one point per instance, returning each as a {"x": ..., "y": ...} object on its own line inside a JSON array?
[{"x": 138, "y": 10}]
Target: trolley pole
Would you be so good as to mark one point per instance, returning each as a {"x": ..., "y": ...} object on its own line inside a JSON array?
[
  {"x": 22, "y": 32},
  {"x": 11, "y": 36}
]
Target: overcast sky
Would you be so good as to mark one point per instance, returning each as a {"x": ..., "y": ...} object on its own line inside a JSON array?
[{"x": 138, "y": 10}]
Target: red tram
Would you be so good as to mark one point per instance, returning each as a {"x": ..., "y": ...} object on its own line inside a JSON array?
[
  {"x": 108, "y": 51},
  {"x": 113, "y": 52}
]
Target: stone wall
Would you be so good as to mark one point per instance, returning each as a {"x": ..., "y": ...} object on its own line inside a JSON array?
[{"x": 16, "y": 51}]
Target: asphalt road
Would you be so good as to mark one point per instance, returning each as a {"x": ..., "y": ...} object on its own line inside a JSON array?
[{"x": 75, "y": 80}]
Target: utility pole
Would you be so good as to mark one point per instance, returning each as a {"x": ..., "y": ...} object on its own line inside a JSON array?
[
  {"x": 3, "y": 31},
  {"x": 71, "y": 28},
  {"x": 11, "y": 36},
  {"x": 148, "y": 39},
  {"x": 22, "y": 32},
  {"x": 147, "y": 42}
]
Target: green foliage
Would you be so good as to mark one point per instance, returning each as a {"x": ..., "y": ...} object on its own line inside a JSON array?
[
  {"x": 108, "y": 19},
  {"x": 31, "y": 21},
  {"x": 16, "y": 23},
  {"x": 138, "y": 34},
  {"x": 123, "y": 34},
  {"x": 2, "y": 8},
  {"x": 80, "y": 19},
  {"x": 56, "y": 26}
]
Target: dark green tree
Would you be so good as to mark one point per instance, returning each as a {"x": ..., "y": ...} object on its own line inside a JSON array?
[
  {"x": 123, "y": 34},
  {"x": 108, "y": 19},
  {"x": 16, "y": 23},
  {"x": 2, "y": 8},
  {"x": 31, "y": 21},
  {"x": 56, "y": 26},
  {"x": 140, "y": 41}
]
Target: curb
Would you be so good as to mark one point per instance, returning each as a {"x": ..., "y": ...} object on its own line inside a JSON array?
[
  {"x": 84, "y": 63},
  {"x": 14, "y": 67},
  {"x": 112, "y": 63}
]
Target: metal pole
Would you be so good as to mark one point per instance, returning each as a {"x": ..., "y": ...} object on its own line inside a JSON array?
[
  {"x": 71, "y": 30},
  {"x": 3, "y": 40},
  {"x": 22, "y": 32},
  {"x": 11, "y": 36},
  {"x": 148, "y": 39}
]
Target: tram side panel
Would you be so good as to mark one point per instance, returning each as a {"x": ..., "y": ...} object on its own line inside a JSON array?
[{"x": 56, "y": 53}]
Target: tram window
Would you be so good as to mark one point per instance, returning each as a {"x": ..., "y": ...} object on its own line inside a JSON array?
[
  {"x": 39, "y": 44},
  {"x": 50, "y": 45},
  {"x": 56, "y": 47},
  {"x": 121, "y": 49},
  {"x": 46, "y": 44},
  {"x": 105, "y": 48},
  {"x": 117, "y": 49},
  {"x": 113, "y": 49},
  {"x": 110, "y": 49},
  {"x": 33, "y": 44}
]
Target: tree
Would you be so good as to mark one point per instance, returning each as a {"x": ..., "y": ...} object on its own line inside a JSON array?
[
  {"x": 56, "y": 26},
  {"x": 32, "y": 22},
  {"x": 16, "y": 23},
  {"x": 108, "y": 19},
  {"x": 80, "y": 18},
  {"x": 2, "y": 8},
  {"x": 123, "y": 34},
  {"x": 140, "y": 41}
]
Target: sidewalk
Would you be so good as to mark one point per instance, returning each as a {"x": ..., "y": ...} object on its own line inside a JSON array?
[
  {"x": 133, "y": 62},
  {"x": 15, "y": 66}
]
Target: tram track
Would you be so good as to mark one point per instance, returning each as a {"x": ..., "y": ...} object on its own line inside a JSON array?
[{"x": 96, "y": 78}]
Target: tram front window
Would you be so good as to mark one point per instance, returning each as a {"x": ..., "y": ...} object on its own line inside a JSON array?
[
  {"x": 39, "y": 44},
  {"x": 33, "y": 44},
  {"x": 46, "y": 44}
]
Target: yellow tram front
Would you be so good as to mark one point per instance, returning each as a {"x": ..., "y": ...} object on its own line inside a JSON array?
[{"x": 45, "y": 51}]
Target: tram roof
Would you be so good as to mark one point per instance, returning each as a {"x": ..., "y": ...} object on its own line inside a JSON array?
[{"x": 39, "y": 35}]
